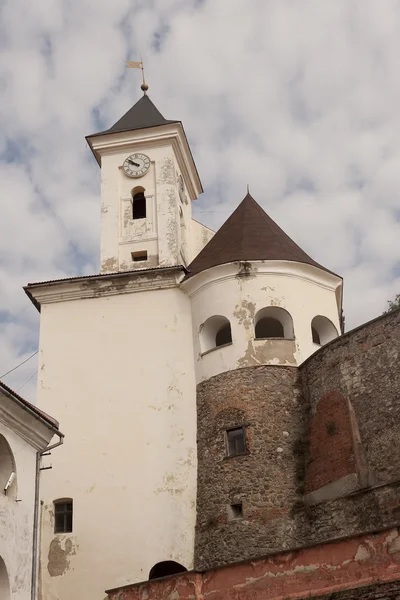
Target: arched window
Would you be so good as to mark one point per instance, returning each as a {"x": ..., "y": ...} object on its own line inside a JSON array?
[
  {"x": 215, "y": 332},
  {"x": 273, "y": 322},
  {"x": 165, "y": 568},
  {"x": 4, "y": 582},
  {"x": 322, "y": 330},
  {"x": 138, "y": 203},
  {"x": 8, "y": 474}
]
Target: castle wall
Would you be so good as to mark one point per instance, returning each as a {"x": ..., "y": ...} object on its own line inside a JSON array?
[
  {"x": 364, "y": 368},
  {"x": 238, "y": 291},
  {"x": 117, "y": 369},
  {"x": 360, "y": 568},
  {"x": 267, "y": 401},
  {"x": 16, "y": 519},
  {"x": 352, "y": 450},
  {"x": 323, "y": 450}
]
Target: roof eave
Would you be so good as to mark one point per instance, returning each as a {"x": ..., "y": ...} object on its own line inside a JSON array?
[
  {"x": 100, "y": 276},
  {"x": 50, "y": 422},
  {"x": 88, "y": 138}
]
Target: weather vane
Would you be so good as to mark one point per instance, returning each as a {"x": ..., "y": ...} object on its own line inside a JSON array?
[{"x": 132, "y": 64}]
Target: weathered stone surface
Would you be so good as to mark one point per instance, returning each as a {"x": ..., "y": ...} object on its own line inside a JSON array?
[
  {"x": 265, "y": 480},
  {"x": 364, "y": 367},
  {"x": 343, "y": 433},
  {"x": 362, "y": 567}
]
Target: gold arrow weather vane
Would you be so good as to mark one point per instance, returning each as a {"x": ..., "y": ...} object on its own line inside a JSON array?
[{"x": 133, "y": 64}]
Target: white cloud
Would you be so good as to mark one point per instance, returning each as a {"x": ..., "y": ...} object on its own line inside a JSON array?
[{"x": 298, "y": 99}]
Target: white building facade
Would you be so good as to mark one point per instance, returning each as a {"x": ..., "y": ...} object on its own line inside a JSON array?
[
  {"x": 121, "y": 354},
  {"x": 25, "y": 433}
]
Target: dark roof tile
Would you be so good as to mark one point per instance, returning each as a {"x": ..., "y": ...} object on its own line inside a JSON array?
[
  {"x": 249, "y": 234},
  {"x": 9, "y": 392},
  {"x": 143, "y": 114}
]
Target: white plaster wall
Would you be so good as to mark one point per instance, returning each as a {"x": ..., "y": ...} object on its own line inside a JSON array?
[
  {"x": 237, "y": 292},
  {"x": 200, "y": 235},
  {"x": 160, "y": 233},
  {"x": 16, "y": 518},
  {"x": 119, "y": 373}
]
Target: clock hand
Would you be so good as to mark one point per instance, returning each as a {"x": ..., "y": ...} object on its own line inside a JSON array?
[{"x": 133, "y": 163}]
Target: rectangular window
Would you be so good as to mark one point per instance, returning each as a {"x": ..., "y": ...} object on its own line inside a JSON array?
[
  {"x": 63, "y": 516},
  {"x": 235, "y": 511},
  {"x": 138, "y": 256},
  {"x": 236, "y": 441}
]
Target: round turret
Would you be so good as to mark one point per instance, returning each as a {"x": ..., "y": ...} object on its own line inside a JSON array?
[{"x": 260, "y": 307}]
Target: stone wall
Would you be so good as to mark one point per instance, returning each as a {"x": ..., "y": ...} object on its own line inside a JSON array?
[
  {"x": 321, "y": 463},
  {"x": 361, "y": 568},
  {"x": 364, "y": 368},
  {"x": 265, "y": 480},
  {"x": 352, "y": 460}
]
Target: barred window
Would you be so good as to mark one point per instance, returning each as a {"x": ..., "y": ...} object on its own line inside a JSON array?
[
  {"x": 236, "y": 441},
  {"x": 63, "y": 516}
]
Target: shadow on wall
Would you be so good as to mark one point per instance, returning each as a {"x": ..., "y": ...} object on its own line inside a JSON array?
[
  {"x": 273, "y": 322},
  {"x": 8, "y": 479},
  {"x": 323, "y": 330},
  {"x": 4, "y": 582},
  {"x": 215, "y": 332}
]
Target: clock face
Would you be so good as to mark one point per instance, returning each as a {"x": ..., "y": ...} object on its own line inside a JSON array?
[{"x": 136, "y": 165}]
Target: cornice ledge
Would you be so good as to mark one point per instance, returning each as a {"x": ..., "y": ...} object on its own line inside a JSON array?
[
  {"x": 259, "y": 268},
  {"x": 103, "y": 286}
]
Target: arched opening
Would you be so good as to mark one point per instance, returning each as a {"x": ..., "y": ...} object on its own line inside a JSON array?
[
  {"x": 8, "y": 473},
  {"x": 165, "y": 568},
  {"x": 138, "y": 203},
  {"x": 215, "y": 332},
  {"x": 273, "y": 322},
  {"x": 269, "y": 327},
  {"x": 322, "y": 330},
  {"x": 4, "y": 582}
]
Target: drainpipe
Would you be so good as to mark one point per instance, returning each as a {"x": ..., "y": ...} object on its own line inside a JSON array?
[{"x": 35, "y": 561}]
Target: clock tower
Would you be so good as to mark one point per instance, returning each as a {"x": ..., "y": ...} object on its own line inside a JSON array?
[
  {"x": 148, "y": 181},
  {"x": 117, "y": 367}
]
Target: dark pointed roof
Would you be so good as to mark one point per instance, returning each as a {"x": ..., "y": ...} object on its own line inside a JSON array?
[
  {"x": 143, "y": 114},
  {"x": 249, "y": 234}
]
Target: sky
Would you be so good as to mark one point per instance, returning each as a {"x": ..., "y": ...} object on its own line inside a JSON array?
[{"x": 298, "y": 99}]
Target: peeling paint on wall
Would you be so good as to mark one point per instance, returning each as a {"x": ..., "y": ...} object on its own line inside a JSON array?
[
  {"x": 58, "y": 557},
  {"x": 109, "y": 265}
]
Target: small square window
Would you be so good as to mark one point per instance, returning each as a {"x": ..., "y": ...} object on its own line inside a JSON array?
[
  {"x": 236, "y": 441},
  {"x": 235, "y": 511},
  {"x": 139, "y": 256},
  {"x": 63, "y": 517}
]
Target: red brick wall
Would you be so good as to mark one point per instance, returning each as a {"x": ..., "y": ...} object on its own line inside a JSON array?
[
  {"x": 324, "y": 569},
  {"x": 331, "y": 442}
]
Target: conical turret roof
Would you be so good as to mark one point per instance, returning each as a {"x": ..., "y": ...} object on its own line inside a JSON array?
[
  {"x": 143, "y": 114},
  {"x": 249, "y": 234}
]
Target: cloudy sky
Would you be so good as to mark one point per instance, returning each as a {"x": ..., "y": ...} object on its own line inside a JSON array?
[{"x": 298, "y": 98}]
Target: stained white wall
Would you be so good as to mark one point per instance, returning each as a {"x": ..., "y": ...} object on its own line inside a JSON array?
[
  {"x": 16, "y": 518},
  {"x": 239, "y": 290},
  {"x": 171, "y": 184},
  {"x": 200, "y": 235},
  {"x": 119, "y": 373}
]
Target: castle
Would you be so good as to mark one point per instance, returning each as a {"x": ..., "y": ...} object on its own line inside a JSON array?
[{"x": 224, "y": 436}]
